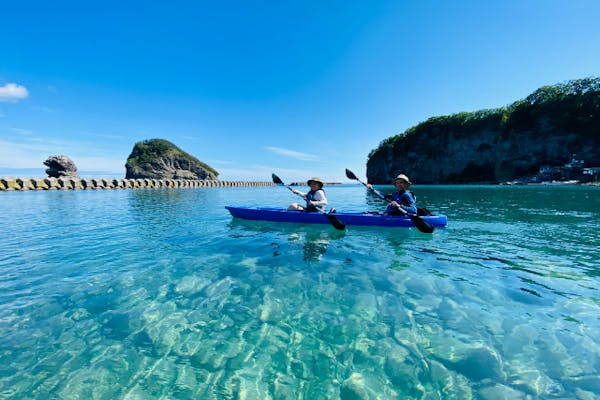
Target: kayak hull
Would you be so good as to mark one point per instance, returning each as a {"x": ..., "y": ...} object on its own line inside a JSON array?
[{"x": 350, "y": 219}]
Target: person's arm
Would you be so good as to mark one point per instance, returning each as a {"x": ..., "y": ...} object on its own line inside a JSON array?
[
  {"x": 377, "y": 192},
  {"x": 299, "y": 192}
]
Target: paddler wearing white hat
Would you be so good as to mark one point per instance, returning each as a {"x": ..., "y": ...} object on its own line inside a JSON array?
[{"x": 403, "y": 201}]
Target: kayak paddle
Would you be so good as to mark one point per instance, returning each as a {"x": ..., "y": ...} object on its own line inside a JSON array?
[
  {"x": 337, "y": 224},
  {"x": 419, "y": 222}
]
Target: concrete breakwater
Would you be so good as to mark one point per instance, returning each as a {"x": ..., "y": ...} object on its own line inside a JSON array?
[{"x": 19, "y": 184}]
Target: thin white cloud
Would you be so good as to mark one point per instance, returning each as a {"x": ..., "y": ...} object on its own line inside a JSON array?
[
  {"x": 17, "y": 155},
  {"x": 113, "y": 165},
  {"x": 260, "y": 173},
  {"x": 220, "y": 162},
  {"x": 95, "y": 135},
  {"x": 47, "y": 110},
  {"x": 24, "y": 132},
  {"x": 291, "y": 153},
  {"x": 33, "y": 154},
  {"x": 13, "y": 92}
]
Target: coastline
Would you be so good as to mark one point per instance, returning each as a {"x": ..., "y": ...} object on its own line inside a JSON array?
[{"x": 26, "y": 184}]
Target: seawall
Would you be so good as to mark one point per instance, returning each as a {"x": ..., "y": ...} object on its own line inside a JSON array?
[{"x": 20, "y": 184}]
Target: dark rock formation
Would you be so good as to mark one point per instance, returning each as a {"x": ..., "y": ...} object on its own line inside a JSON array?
[
  {"x": 61, "y": 167},
  {"x": 507, "y": 143},
  {"x": 161, "y": 159}
]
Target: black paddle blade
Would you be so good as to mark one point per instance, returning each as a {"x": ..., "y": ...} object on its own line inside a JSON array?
[
  {"x": 276, "y": 180},
  {"x": 337, "y": 224},
  {"x": 421, "y": 224},
  {"x": 350, "y": 175}
]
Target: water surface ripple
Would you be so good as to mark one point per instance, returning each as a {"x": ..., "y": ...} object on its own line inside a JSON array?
[{"x": 159, "y": 294}]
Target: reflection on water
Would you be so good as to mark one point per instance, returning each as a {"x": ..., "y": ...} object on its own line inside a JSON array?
[{"x": 314, "y": 239}]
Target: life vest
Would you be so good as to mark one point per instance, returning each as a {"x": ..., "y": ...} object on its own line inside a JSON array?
[
  {"x": 403, "y": 199},
  {"x": 400, "y": 198},
  {"x": 310, "y": 196}
]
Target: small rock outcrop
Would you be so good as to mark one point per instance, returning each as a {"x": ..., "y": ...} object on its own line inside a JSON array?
[
  {"x": 61, "y": 167},
  {"x": 161, "y": 159}
]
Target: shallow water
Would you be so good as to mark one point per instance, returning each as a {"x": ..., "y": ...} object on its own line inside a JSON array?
[{"x": 159, "y": 294}]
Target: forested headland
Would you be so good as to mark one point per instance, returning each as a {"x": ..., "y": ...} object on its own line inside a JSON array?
[{"x": 506, "y": 143}]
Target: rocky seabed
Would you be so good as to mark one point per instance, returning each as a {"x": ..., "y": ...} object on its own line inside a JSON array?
[{"x": 19, "y": 184}]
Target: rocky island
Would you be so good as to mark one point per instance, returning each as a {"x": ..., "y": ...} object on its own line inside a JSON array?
[
  {"x": 161, "y": 159},
  {"x": 502, "y": 144}
]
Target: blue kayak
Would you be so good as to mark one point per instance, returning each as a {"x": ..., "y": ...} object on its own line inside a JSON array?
[{"x": 363, "y": 219}]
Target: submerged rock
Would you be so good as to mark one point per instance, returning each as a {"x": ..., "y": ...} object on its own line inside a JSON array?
[
  {"x": 481, "y": 363},
  {"x": 475, "y": 363},
  {"x": 365, "y": 387},
  {"x": 61, "y": 167},
  {"x": 501, "y": 392}
]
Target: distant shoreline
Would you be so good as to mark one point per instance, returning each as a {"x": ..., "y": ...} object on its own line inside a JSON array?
[
  {"x": 32, "y": 184},
  {"x": 324, "y": 183}
]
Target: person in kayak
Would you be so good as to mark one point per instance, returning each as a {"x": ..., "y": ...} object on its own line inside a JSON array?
[
  {"x": 315, "y": 198},
  {"x": 402, "y": 202}
]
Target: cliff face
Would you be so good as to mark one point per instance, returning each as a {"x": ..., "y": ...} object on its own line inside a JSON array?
[
  {"x": 507, "y": 143},
  {"x": 161, "y": 159}
]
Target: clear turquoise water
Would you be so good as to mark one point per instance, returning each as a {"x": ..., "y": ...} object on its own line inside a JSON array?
[{"x": 159, "y": 294}]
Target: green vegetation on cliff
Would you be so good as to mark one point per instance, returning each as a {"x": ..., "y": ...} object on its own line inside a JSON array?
[
  {"x": 504, "y": 143},
  {"x": 161, "y": 159}
]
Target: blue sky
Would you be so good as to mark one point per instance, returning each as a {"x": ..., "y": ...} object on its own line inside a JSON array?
[{"x": 299, "y": 88}]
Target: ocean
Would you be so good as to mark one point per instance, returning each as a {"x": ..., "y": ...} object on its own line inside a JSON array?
[{"x": 160, "y": 294}]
